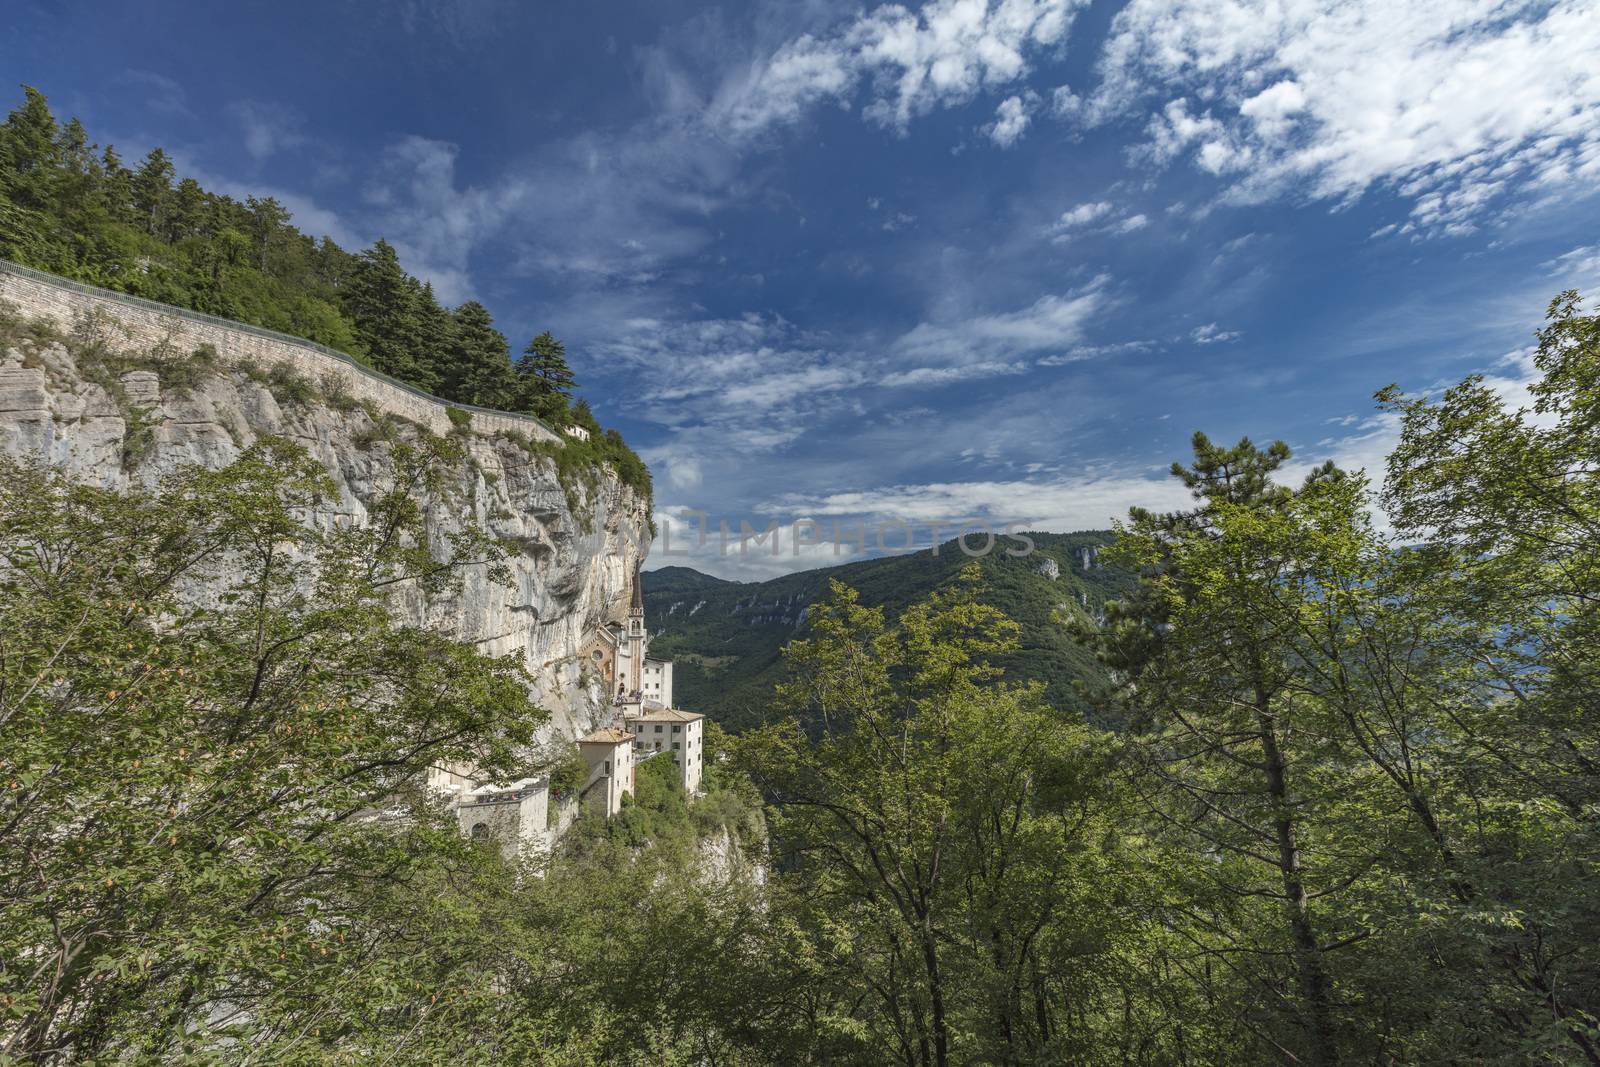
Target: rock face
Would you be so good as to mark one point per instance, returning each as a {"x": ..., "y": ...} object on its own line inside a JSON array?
[{"x": 570, "y": 561}]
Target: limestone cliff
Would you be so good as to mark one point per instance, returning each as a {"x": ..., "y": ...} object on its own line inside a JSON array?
[{"x": 573, "y": 547}]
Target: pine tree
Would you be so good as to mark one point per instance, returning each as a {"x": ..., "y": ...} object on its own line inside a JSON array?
[
  {"x": 30, "y": 153},
  {"x": 268, "y": 220},
  {"x": 480, "y": 369},
  {"x": 118, "y": 185},
  {"x": 544, "y": 378},
  {"x": 81, "y": 175},
  {"x": 384, "y": 303},
  {"x": 152, "y": 189},
  {"x": 436, "y": 340}
]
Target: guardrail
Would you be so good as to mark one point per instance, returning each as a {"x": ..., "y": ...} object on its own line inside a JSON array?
[{"x": 8, "y": 267}]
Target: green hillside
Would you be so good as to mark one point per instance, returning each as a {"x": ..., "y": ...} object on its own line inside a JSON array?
[{"x": 726, "y": 637}]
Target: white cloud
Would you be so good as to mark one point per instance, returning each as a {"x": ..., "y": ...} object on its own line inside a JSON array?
[
  {"x": 948, "y": 375},
  {"x": 1048, "y": 504},
  {"x": 1011, "y": 121},
  {"x": 727, "y": 546},
  {"x": 1079, "y": 353},
  {"x": 1581, "y": 265},
  {"x": 432, "y": 221},
  {"x": 1211, "y": 334},
  {"x": 1094, "y": 216},
  {"x": 268, "y": 128},
  {"x": 910, "y": 62},
  {"x": 1082, "y": 215},
  {"x": 1455, "y": 104},
  {"x": 751, "y": 384},
  {"x": 1051, "y": 322}
]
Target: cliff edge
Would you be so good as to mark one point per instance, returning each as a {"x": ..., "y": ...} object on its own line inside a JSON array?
[{"x": 118, "y": 391}]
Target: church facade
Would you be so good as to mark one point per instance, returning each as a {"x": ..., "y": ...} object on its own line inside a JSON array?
[{"x": 618, "y": 655}]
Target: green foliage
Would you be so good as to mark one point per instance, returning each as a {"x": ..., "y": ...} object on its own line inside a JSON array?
[
  {"x": 944, "y": 845},
  {"x": 728, "y": 653},
  {"x": 544, "y": 379},
  {"x": 1366, "y": 764},
  {"x": 66, "y": 210},
  {"x": 211, "y": 816},
  {"x": 569, "y": 772}
]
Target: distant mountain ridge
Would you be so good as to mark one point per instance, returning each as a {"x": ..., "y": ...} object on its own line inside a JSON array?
[{"x": 726, "y": 637}]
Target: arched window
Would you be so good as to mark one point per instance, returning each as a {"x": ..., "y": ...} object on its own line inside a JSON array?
[{"x": 480, "y": 831}]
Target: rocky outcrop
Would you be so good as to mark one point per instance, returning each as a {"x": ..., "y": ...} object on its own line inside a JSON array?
[
  {"x": 722, "y": 859},
  {"x": 573, "y": 547}
]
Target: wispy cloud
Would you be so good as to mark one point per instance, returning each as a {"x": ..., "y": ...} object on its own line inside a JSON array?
[
  {"x": 948, "y": 375},
  {"x": 1581, "y": 266},
  {"x": 1456, "y": 106},
  {"x": 268, "y": 128},
  {"x": 1033, "y": 503},
  {"x": 909, "y": 63},
  {"x": 1053, "y": 322},
  {"x": 162, "y": 94},
  {"x": 1095, "y": 216},
  {"x": 1212, "y": 334}
]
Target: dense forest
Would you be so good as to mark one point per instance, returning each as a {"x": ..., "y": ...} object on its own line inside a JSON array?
[
  {"x": 1349, "y": 814},
  {"x": 72, "y": 208},
  {"x": 726, "y": 638}
]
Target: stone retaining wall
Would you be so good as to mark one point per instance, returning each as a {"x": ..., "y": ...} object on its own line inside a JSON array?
[{"x": 148, "y": 326}]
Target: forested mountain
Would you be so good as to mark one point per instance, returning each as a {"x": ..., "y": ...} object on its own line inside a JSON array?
[
  {"x": 73, "y": 208},
  {"x": 726, "y": 638}
]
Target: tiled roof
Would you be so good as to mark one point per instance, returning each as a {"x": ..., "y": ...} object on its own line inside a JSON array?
[
  {"x": 607, "y": 736},
  {"x": 667, "y": 715}
]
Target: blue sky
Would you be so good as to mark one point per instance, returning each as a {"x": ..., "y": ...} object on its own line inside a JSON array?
[{"x": 967, "y": 260}]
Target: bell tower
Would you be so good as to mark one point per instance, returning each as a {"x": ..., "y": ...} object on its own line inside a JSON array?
[{"x": 636, "y": 636}]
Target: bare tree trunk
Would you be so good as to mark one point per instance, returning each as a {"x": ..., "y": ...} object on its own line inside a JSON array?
[{"x": 1315, "y": 987}]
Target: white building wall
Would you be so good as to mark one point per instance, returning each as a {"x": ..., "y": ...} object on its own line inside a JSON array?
[
  {"x": 658, "y": 682},
  {"x": 618, "y": 778},
  {"x": 662, "y": 736}
]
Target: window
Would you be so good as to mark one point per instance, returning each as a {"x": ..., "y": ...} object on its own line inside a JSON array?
[
  {"x": 674, "y": 746},
  {"x": 677, "y": 729},
  {"x": 658, "y": 728},
  {"x": 480, "y": 831}
]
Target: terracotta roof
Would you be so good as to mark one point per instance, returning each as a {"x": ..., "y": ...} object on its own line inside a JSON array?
[
  {"x": 667, "y": 715},
  {"x": 607, "y": 736}
]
